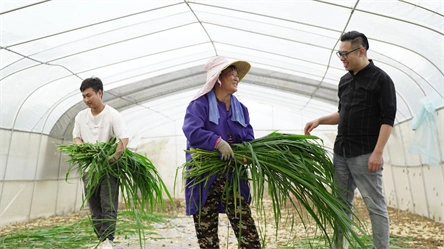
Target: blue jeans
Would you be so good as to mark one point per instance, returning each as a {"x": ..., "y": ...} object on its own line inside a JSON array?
[{"x": 353, "y": 172}]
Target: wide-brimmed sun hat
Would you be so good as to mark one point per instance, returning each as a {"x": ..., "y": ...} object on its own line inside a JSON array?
[{"x": 215, "y": 66}]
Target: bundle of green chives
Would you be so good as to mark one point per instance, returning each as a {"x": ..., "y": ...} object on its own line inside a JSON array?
[
  {"x": 291, "y": 166},
  {"x": 140, "y": 183}
]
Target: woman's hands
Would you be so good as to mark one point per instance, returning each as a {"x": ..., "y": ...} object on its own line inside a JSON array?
[{"x": 225, "y": 150}]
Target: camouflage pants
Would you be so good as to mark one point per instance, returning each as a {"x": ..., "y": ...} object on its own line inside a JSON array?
[{"x": 206, "y": 221}]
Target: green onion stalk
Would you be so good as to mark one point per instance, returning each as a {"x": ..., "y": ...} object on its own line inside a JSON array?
[
  {"x": 297, "y": 170},
  {"x": 140, "y": 183}
]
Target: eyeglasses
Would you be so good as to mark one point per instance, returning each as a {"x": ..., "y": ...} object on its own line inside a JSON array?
[{"x": 345, "y": 54}]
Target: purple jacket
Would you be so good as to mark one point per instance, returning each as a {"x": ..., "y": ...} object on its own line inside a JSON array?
[{"x": 203, "y": 134}]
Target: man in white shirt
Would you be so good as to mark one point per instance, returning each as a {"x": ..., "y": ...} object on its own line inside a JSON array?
[{"x": 99, "y": 123}]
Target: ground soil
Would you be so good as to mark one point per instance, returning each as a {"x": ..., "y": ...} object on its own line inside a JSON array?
[{"x": 410, "y": 230}]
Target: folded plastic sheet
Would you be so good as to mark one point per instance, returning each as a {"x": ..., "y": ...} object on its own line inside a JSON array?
[{"x": 425, "y": 123}]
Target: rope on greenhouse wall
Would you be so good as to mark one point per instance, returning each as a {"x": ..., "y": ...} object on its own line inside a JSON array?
[
  {"x": 32, "y": 59},
  {"x": 413, "y": 71},
  {"x": 421, "y": 7},
  {"x": 205, "y": 30},
  {"x": 26, "y": 6},
  {"x": 86, "y": 26},
  {"x": 331, "y": 54}
]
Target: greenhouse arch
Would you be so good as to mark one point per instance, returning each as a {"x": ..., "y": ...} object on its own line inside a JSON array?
[{"x": 151, "y": 55}]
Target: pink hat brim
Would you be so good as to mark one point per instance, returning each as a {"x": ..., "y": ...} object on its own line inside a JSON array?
[{"x": 215, "y": 66}]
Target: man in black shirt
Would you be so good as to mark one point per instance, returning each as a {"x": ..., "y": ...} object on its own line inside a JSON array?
[{"x": 365, "y": 117}]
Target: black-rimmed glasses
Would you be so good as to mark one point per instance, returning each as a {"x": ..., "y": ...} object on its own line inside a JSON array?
[{"x": 345, "y": 54}]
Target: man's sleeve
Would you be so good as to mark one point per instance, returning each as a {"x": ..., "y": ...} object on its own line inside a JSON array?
[
  {"x": 388, "y": 100},
  {"x": 76, "y": 131},
  {"x": 119, "y": 126}
]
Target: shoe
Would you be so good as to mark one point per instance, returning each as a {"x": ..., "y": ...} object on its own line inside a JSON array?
[{"x": 107, "y": 244}]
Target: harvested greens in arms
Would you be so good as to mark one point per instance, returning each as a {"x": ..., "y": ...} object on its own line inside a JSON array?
[
  {"x": 140, "y": 183},
  {"x": 296, "y": 169}
]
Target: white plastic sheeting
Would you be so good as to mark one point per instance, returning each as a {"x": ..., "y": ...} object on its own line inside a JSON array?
[
  {"x": 47, "y": 47},
  {"x": 150, "y": 56}
]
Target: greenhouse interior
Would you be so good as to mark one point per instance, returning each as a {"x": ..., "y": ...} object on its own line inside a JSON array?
[{"x": 150, "y": 56}]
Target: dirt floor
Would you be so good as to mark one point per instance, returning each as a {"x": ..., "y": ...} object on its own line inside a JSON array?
[
  {"x": 176, "y": 233},
  {"x": 418, "y": 231}
]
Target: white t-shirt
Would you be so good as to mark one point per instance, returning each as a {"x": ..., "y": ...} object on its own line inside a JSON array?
[{"x": 100, "y": 128}]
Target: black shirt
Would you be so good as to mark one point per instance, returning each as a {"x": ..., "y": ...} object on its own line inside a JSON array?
[{"x": 366, "y": 101}]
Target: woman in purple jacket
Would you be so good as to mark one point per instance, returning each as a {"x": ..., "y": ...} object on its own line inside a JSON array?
[{"x": 215, "y": 119}]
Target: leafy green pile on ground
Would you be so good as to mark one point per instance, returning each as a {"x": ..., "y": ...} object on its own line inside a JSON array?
[{"x": 78, "y": 234}]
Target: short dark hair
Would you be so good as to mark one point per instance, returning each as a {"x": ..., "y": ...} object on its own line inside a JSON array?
[
  {"x": 356, "y": 38},
  {"x": 93, "y": 82}
]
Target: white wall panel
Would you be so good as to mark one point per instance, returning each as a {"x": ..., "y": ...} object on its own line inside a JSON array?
[
  {"x": 23, "y": 151},
  {"x": 389, "y": 186},
  {"x": 395, "y": 147},
  {"x": 434, "y": 181},
  {"x": 69, "y": 196},
  {"x": 15, "y": 202},
  {"x": 402, "y": 186},
  {"x": 166, "y": 154},
  {"x": 407, "y": 137},
  {"x": 44, "y": 199},
  {"x": 418, "y": 181},
  {"x": 440, "y": 126},
  {"x": 34, "y": 184}
]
